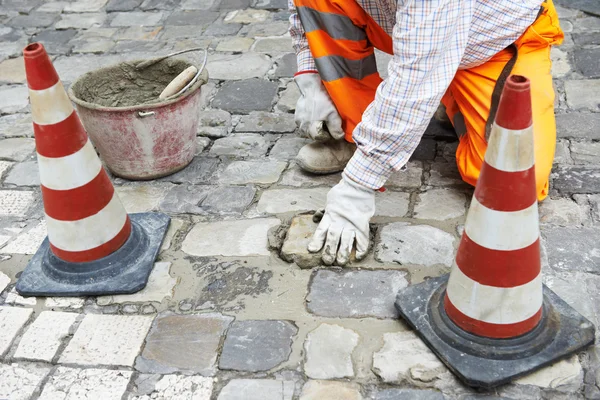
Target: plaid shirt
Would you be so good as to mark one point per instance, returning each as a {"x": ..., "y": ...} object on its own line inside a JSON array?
[{"x": 432, "y": 40}]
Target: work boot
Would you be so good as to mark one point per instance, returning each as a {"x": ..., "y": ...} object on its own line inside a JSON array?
[{"x": 325, "y": 157}]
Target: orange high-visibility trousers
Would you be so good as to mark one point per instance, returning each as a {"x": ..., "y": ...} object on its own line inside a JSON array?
[{"x": 342, "y": 37}]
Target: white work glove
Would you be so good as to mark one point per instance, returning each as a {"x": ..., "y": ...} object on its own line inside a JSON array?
[
  {"x": 349, "y": 209},
  {"x": 316, "y": 115}
]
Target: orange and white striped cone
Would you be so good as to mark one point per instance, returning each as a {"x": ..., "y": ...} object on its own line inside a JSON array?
[
  {"x": 91, "y": 238},
  {"x": 491, "y": 319}
]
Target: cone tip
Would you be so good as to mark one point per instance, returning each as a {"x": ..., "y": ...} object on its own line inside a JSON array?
[
  {"x": 518, "y": 83},
  {"x": 34, "y": 50},
  {"x": 514, "y": 110}
]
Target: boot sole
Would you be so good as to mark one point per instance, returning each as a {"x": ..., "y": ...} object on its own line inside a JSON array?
[{"x": 319, "y": 171}]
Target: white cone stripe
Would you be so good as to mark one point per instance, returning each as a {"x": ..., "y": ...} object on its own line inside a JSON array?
[
  {"x": 50, "y": 106},
  {"x": 493, "y": 304},
  {"x": 502, "y": 230},
  {"x": 69, "y": 172},
  {"x": 90, "y": 232},
  {"x": 510, "y": 151}
]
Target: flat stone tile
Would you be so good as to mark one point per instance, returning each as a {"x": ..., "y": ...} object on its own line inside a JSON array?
[
  {"x": 13, "y": 99},
  {"x": 288, "y": 99},
  {"x": 235, "y": 44},
  {"x": 24, "y": 174},
  {"x": 561, "y": 373},
  {"x": 273, "y": 45},
  {"x": 180, "y": 387},
  {"x": 27, "y": 242},
  {"x": 265, "y": 29},
  {"x": 214, "y": 118},
  {"x": 12, "y": 320},
  {"x": 296, "y": 176},
  {"x": 586, "y": 61},
  {"x": 271, "y": 345},
  {"x": 142, "y": 198},
  {"x": 243, "y": 145},
  {"x": 160, "y": 286},
  {"x": 257, "y": 389},
  {"x": 14, "y": 298},
  {"x": 4, "y": 281},
  {"x": 407, "y": 179},
  {"x": 402, "y": 243},
  {"x": 122, "y": 5},
  {"x": 199, "y": 171},
  {"x": 81, "y": 21},
  {"x": 246, "y": 96},
  {"x": 218, "y": 29},
  {"x": 16, "y": 126},
  {"x": 287, "y": 66},
  {"x": 45, "y": 335},
  {"x": 391, "y": 205},
  {"x": 160, "y": 4},
  {"x": 229, "y": 199},
  {"x": 12, "y": 71},
  {"x": 22, "y": 6},
  {"x": 320, "y": 390},
  {"x": 214, "y": 238},
  {"x": 213, "y": 132},
  {"x": 576, "y": 179},
  {"x": 404, "y": 358},
  {"x": 183, "y": 343},
  {"x": 198, "y": 18},
  {"x": 279, "y": 201},
  {"x": 561, "y": 211},
  {"x": 410, "y": 394},
  {"x": 15, "y": 202},
  {"x": 329, "y": 352},
  {"x": 107, "y": 340},
  {"x": 4, "y": 166},
  {"x": 17, "y": 149},
  {"x": 73, "y": 383},
  {"x": 295, "y": 246},
  {"x": 585, "y": 152},
  {"x": 19, "y": 381},
  {"x": 70, "y": 68},
  {"x": 261, "y": 172},
  {"x": 355, "y": 294},
  {"x": 127, "y": 19},
  {"x": 247, "y": 16},
  {"x": 578, "y": 125},
  {"x": 444, "y": 174},
  {"x": 226, "y": 67},
  {"x": 266, "y": 122},
  {"x": 574, "y": 249},
  {"x": 185, "y": 199},
  {"x": 440, "y": 204},
  {"x": 65, "y": 303},
  {"x": 271, "y": 5},
  {"x": 33, "y": 20},
  {"x": 81, "y": 6},
  {"x": 582, "y": 94}
]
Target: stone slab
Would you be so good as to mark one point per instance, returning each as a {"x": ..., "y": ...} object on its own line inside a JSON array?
[
  {"x": 271, "y": 345},
  {"x": 331, "y": 390},
  {"x": 198, "y": 172},
  {"x": 244, "y": 172},
  {"x": 586, "y": 61},
  {"x": 142, "y": 198},
  {"x": 73, "y": 383},
  {"x": 81, "y": 21},
  {"x": 15, "y": 203},
  {"x": 235, "y": 44},
  {"x": 229, "y": 199},
  {"x": 45, "y": 335},
  {"x": 410, "y": 394},
  {"x": 296, "y": 176},
  {"x": 390, "y": 205},
  {"x": 183, "y": 17},
  {"x": 561, "y": 211},
  {"x": 273, "y": 45},
  {"x": 226, "y": 67},
  {"x": 409, "y": 178},
  {"x": 183, "y": 343},
  {"x": 107, "y": 340},
  {"x": 82, "y": 6},
  {"x": 19, "y": 382},
  {"x": 329, "y": 352},
  {"x": 12, "y": 71},
  {"x": 16, "y": 149},
  {"x": 27, "y": 242},
  {"x": 12, "y": 320},
  {"x": 246, "y": 96},
  {"x": 24, "y": 174},
  {"x": 257, "y": 389},
  {"x": 134, "y": 18},
  {"x": 16, "y": 126},
  {"x": 578, "y": 125},
  {"x": 65, "y": 303},
  {"x": 440, "y": 204},
  {"x": 288, "y": 99},
  {"x": 576, "y": 179},
  {"x": 247, "y": 16},
  {"x": 14, "y": 298},
  {"x": 185, "y": 199},
  {"x": 214, "y": 238},
  {"x": 585, "y": 152},
  {"x": 402, "y": 243},
  {"x": 287, "y": 66},
  {"x": 444, "y": 174},
  {"x": 279, "y": 201},
  {"x": 242, "y": 145},
  {"x": 294, "y": 247},
  {"x": 582, "y": 94},
  {"x": 573, "y": 249},
  {"x": 355, "y": 294},
  {"x": 561, "y": 373},
  {"x": 180, "y": 387},
  {"x": 266, "y": 122}
]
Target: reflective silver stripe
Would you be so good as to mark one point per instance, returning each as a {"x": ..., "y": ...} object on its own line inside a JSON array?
[
  {"x": 337, "y": 26},
  {"x": 332, "y": 68}
]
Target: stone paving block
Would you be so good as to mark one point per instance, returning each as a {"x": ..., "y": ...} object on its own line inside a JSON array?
[
  {"x": 180, "y": 387},
  {"x": 329, "y": 352},
  {"x": 213, "y": 132},
  {"x": 575, "y": 249},
  {"x": 199, "y": 4},
  {"x": 266, "y": 122},
  {"x": 15, "y": 203},
  {"x": 142, "y": 198},
  {"x": 390, "y": 205},
  {"x": 564, "y": 372},
  {"x": 444, "y": 174},
  {"x": 287, "y": 66},
  {"x": 183, "y": 343},
  {"x": 287, "y": 148},
  {"x": 321, "y": 390},
  {"x": 201, "y": 144},
  {"x": 83, "y": 6},
  {"x": 265, "y": 29},
  {"x": 160, "y": 5},
  {"x": 271, "y": 344},
  {"x": 583, "y": 94},
  {"x": 562, "y": 154},
  {"x": 279, "y": 201},
  {"x": 12, "y": 320},
  {"x": 586, "y": 61},
  {"x": 128, "y": 46},
  {"x": 243, "y": 172},
  {"x": 248, "y": 16},
  {"x": 198, "y": 18},
  {"x": 402, "y": 243},
  {"x": 273, "y": 45},
  {"x": 24, "y": 174},
  {"x": 440, "y": 204},
  {"x": 218, "y": 29},
  {"x": 226, "y": 67},
  {"x": 408, "y": 178},
  {"x": 404, "y": 358},
  {"x": 13, "y": 99},
  {"x": 27, "y": 242},
  {"x": 184, "y": 199},
  {"x": 214, "y": 238},
  {"x": 242, "y": 145},
  {"x": 560, "y": 63},
  {"x": 45, "y": 335},
  {"x": 235, "y": 44},
  {"x": 578, "y": 125},
  {"x": 15, "y": 126},
  {"x": 199, "y": 171},
  {"x": 126, "y": 19},
  {"x": 294, "y": 247},
  {"x": 70, "y": 68},
  {"x": 271, "y": 4},
  {"x": 65, "y": 303},
  {"x": 19, "y": 382},
  {"x": 33, "y": 20},
  {"x": 22, "y": 6},
  {"x": 576, "y": 179},
  {"x": 587, "y": 39},
  {"x": 585, "y": 152},
  {"x": 92, "y": 45},
  {"x": 16, "y": 149},
  {"x": 229, "y": 199},
  {"x": 560, "y": 211},
  {"x": 297, "y": 177},
  {"x": 138, "y": 33},
  {"x": 425, "y": 151},
  {"x": 289, "y": 98},
  {"x": 73, "y": 383},
  {"x": 55, "y": 41},
  {"x": 160, "y": 286},
  {"x": 107, "y": 340},
  {"x": 12, "y": 71},
  {"x": 355, "y": 294},
  {"x": 81, "y": 21},
  {"x": 4, "y": 166},
  {"x": 413, "y": 394},
  {"x": 14, "y": 298},
  {"x": 246, "y": 96},
  {"x": 122, "y": 5},
  {"x": 4, "y": 281},
  {"x": 257, "y": 389}
]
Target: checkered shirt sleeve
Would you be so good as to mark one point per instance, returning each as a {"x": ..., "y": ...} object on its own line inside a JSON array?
[{"x": 306, "y": 62}]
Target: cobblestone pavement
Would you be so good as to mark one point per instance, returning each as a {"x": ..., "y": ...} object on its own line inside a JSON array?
[{"x": 235, "y": 307}]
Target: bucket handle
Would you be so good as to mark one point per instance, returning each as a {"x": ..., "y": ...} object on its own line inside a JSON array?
[{"x": 144, "y": 114}]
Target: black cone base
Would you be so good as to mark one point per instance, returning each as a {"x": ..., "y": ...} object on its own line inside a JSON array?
[
  {"x": 484, "y": 362},
  {"x": 125, "y": 271}
]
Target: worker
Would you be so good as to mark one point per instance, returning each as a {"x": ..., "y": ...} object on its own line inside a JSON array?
[{"x": 455, "y": 53}]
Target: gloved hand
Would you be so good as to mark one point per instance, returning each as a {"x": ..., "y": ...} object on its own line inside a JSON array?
[
  {"x": 316, "y": 115},
  {"x": 346, "y": 220}
]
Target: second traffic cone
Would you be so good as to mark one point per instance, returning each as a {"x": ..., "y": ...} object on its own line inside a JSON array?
[
  {"x": 93, "y": 246},
  {"x": 491, "y": 319}
]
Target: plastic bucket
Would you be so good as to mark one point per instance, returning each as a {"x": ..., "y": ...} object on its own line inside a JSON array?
[{"x": 138, "y": 136}]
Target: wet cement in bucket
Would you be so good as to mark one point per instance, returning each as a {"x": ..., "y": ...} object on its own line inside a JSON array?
[{"x": 124, "y": 86}]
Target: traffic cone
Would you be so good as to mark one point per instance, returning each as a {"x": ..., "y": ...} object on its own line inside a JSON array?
[
  {"x": 491, "y": 319},
  {"x": 93, "y": 246}
]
